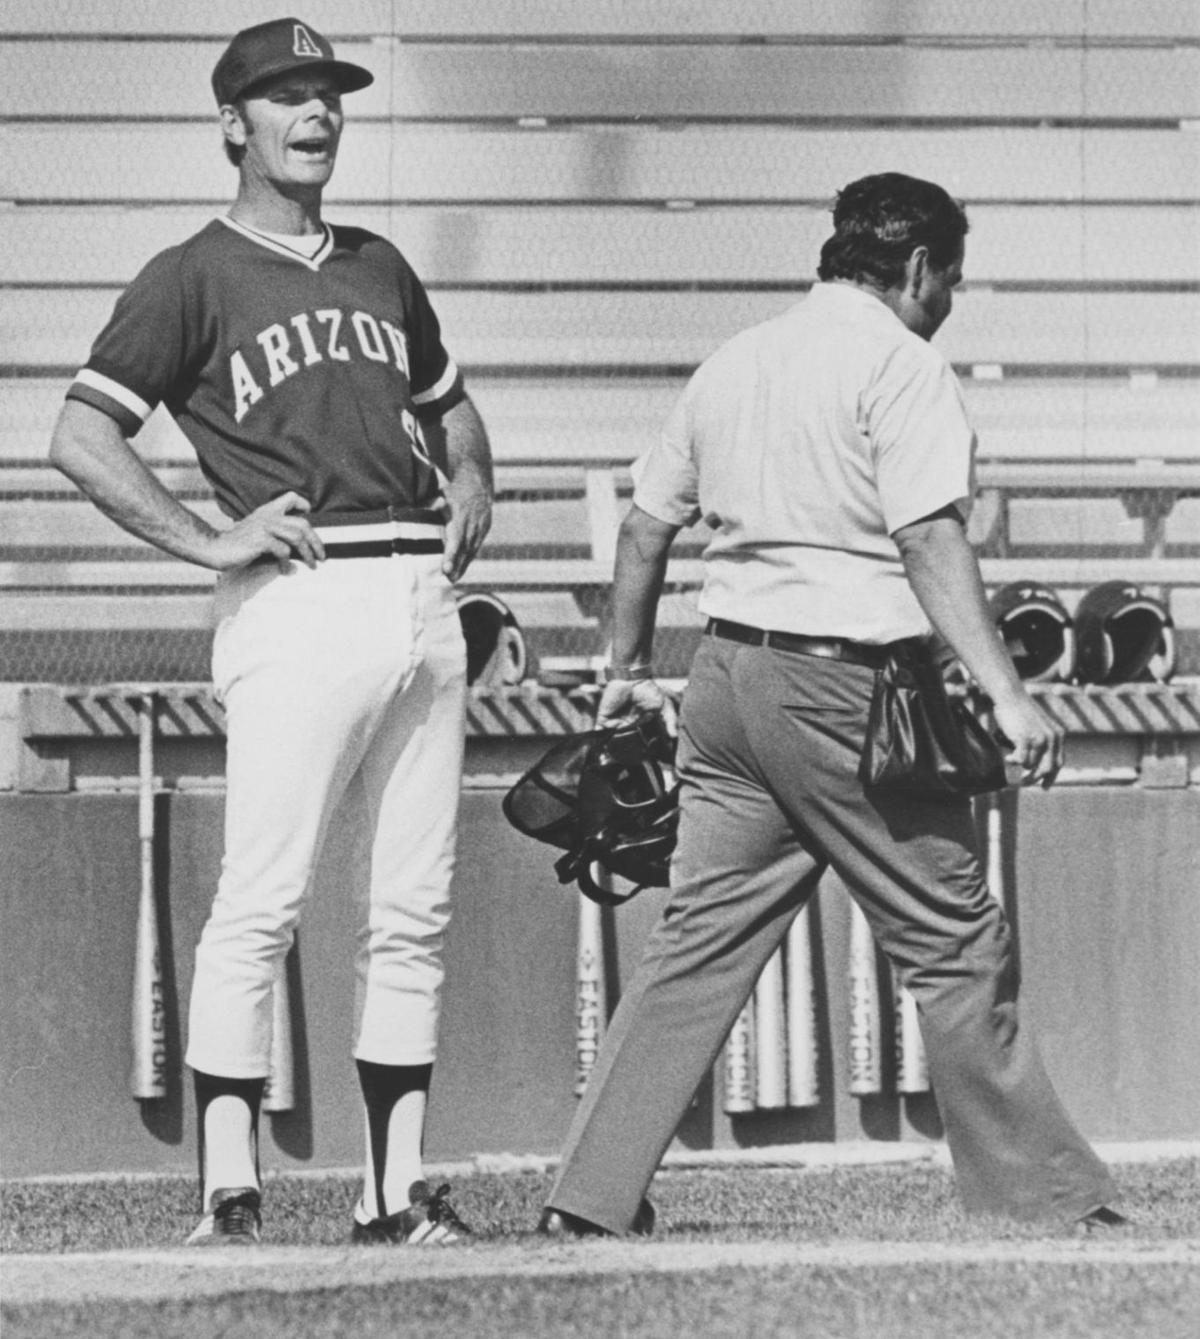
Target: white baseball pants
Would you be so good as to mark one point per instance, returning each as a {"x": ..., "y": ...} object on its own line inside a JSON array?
[{"x": 350, "y": 678}]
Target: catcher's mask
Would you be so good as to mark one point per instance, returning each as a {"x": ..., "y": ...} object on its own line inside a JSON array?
[
  {"x": 1036, "y": 629},
  {"x": 606, "y": 798},
  {"x": 1125, "y": 636}
]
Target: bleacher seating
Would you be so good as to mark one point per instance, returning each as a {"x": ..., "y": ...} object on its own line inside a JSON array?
[{"x": 597, "y": 196}]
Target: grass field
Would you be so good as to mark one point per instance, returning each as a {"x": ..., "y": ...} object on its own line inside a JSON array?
[{"x": 847, "y": 1252}]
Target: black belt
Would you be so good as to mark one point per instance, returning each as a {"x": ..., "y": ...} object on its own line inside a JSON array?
[
  {"x": 381, "y": 548},
  {"x": 828, "y": 648}
]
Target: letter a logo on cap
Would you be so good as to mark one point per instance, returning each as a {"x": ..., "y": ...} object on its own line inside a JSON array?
[{"x": 302, "y": 42}]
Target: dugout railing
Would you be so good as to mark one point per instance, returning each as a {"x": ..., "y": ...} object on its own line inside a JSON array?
[{"x": 67, "y": 571}]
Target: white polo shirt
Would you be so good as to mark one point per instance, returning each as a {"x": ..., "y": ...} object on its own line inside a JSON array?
[{"x": 805, "y": 443}]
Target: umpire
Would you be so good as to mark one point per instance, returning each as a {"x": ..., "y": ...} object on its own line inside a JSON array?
[{"x": 829, "y": 453}]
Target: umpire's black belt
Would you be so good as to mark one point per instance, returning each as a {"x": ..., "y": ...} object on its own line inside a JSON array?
[{"x": 827, "y": 648}]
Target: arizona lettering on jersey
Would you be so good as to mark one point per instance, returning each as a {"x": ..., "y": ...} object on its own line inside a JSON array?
[
  {"x": 327, "y": 333},
  {"x": 284, "y": 371}
]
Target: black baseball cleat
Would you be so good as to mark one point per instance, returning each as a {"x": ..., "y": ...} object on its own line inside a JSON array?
[
  {"x": 429, "y": 1220},
  {"x": 559, "y": 1224},
  {"x": 1102, "y": 1219},
  {"x": 556, "y": 1223},
  {"x": 235, "y": 1219}
]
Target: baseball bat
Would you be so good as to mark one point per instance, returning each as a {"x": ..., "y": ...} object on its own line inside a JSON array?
[
  {"x": 995, "y": 849},
  {"x": 739, "y": 1063},
  {"x": 770, "y": 1077},
  {"x": 912, "y": 1069},
  {"x": 279, "y": 1093},
  {"x": 801, "y": 1016},
  {"x": 591, "y": 1005},
  {"x": 866, "y": 1072},
  {"x": 148, "y": 1076}
]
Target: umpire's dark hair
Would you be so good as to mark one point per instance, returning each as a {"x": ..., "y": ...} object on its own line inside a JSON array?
[{"x": 879, "y": 221}]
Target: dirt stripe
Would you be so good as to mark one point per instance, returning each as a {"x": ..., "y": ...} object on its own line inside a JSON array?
[{"x": 153, "y": 1275}]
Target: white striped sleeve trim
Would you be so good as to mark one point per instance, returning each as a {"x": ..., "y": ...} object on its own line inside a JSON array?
[
  {"x": 115, "y": 391},
  {"x": 440, "y": 387}
]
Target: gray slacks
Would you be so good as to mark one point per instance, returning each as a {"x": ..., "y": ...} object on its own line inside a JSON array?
[{"x": 768, "y": 750}]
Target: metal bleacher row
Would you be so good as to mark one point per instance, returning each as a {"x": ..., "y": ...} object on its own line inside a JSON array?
[{"x": 597, "y": 195}]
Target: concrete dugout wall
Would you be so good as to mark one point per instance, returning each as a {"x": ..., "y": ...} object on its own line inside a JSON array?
[{"x": 1101, "y": 881}]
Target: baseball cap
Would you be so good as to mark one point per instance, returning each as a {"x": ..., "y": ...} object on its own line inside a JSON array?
[{"x": 279, "y": 47}]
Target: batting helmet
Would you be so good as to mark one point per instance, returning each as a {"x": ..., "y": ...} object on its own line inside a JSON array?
[
  {"x": 1036, "y": 629},
  {"x": 1125, "y": 636},
  {"x": 496, "y": 651},
  {"x": 607, "y": 799}
]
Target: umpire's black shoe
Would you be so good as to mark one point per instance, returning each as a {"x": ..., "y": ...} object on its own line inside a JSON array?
[
  {"x": 234, "y": 1220},
  {"x": 559, "y": 1224},
  {"x": 1102, "y": 1219}
]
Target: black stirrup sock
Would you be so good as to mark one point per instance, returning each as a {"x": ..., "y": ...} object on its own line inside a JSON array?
[
  {"x": 382, "y": 1087},
  {"x": 208, "y": 1088}
]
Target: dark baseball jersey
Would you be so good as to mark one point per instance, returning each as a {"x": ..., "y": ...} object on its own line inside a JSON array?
[{"x": 284, "y": 371}]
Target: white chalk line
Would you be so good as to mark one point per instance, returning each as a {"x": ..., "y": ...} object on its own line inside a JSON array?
[{"x": 215, "y": 1271}]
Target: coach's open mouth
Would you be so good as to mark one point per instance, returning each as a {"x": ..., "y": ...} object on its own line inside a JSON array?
[{"x": 313, "y": 148}]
